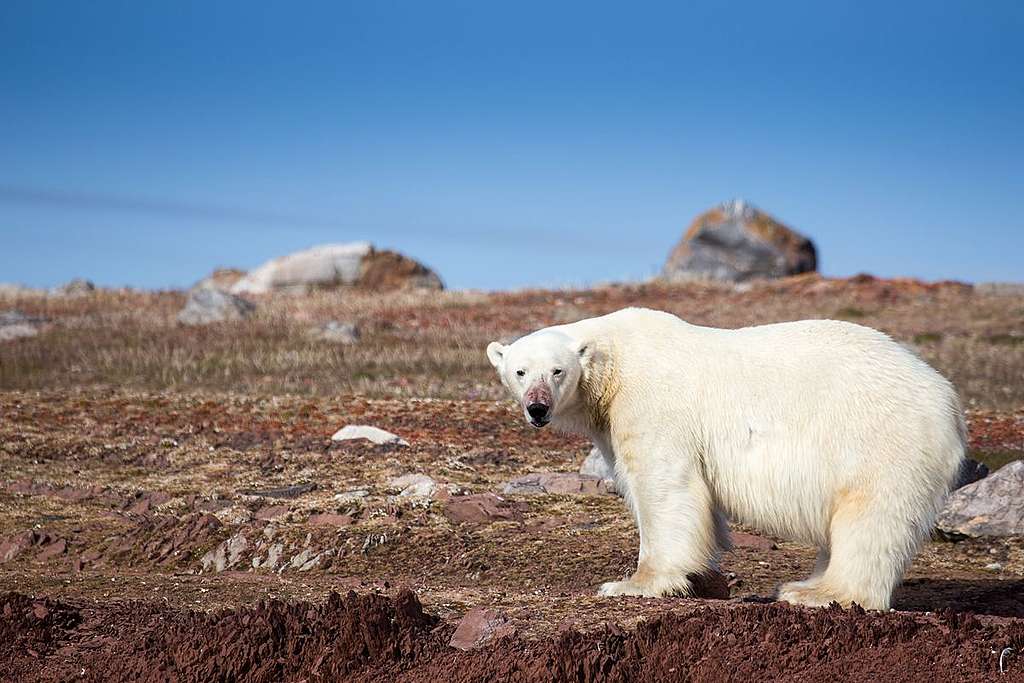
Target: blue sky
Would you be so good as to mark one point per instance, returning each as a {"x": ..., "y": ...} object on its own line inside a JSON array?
[{"x": 508, "y": 144}]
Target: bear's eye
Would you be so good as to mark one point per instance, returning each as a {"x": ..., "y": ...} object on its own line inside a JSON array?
[
  {"x": 521, "y": 373},
  {"x": 556, "y": 372}
]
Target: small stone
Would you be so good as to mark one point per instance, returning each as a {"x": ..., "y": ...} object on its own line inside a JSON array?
[
  {"x": 483, "y": 508},
  {"x": 372, "y": 434},
  {"x": 336, "y": 332},
  {"x": 226, "y": 554},
  {"x": 274, "y": 556},
  {"x": 17, "y": 325},
  {"x": 414, "y": 485},
  {"x": 480, "y": 626},
  {"x": 564, "y": 483},
  {"x": 351, "y": 495},
  {"x": 330, "y": 519},
  {"x": 206, "y": 306},
  {"x": 994, "y": 567},
  {"x": 305, "y": 560},
  {"x": 596, "y": 465},
  {"x": 17, "y": 331}
]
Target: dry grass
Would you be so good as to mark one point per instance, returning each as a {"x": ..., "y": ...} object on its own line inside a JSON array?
[{"x": 432, "y": 344}]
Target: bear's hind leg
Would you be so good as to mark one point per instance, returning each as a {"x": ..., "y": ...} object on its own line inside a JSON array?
[
  {"x": 871, "y": 547},
  {"x": 680, "y": 533}
]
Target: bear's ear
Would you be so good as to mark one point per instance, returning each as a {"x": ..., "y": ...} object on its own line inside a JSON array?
[
  {"x": 496, "y": 354},
  {"x": 584, "y": 351}
]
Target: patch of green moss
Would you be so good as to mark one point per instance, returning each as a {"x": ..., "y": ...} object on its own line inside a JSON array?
[
  {"x": 1005, "y": 339},
  {"x": 850, "y": 313},
  {"x": 928, "y": 338},
  {"x": 995, "y": 459}
]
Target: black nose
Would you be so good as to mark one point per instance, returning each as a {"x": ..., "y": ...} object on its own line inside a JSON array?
[{"x": 538, "y": 411}]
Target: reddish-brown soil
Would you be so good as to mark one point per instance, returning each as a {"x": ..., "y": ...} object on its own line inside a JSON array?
[
  {"x": 168, "y": 532},
  {"x": 371, "y": 637}
]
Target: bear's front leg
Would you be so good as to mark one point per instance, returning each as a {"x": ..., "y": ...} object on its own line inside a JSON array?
[{"x": 675, "y": 515}]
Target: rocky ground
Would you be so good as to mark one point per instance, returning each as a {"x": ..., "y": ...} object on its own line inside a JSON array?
[{"x": 198, "y": 522}]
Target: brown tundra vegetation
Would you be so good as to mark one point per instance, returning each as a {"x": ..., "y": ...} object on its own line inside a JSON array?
[{"x": 172, "y": 505}]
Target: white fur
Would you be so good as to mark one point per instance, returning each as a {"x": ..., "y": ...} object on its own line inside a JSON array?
[{"x": 819, "y": 431}]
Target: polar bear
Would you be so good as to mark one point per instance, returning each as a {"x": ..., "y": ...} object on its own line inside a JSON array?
[{"x": 819, "y": 431}]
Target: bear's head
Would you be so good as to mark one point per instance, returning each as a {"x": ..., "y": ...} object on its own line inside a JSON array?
[{"x": 542, "y": 371}]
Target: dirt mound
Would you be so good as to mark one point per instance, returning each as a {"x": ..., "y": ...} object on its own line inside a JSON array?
[
  {"x": 29, "y": 631},
  {"x": 272, "y": 641},
  {"x": 761, "y": 642},
  {"x": 373, "y": 637}
]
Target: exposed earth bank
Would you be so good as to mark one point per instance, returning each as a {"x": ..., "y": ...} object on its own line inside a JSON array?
[{"x": 372, "y": 637}]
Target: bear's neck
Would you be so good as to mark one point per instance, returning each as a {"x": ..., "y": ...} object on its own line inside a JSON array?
[{"x": 597, "y": 389}]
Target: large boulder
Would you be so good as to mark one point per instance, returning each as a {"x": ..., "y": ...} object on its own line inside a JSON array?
[
  {"x": 992, "y": 506},
  {"x": 214, "y": 306},
  {"x": 221, "y": 278},
  {"x": 356, "y": 264},
  {"x": 737, "y": 242}
]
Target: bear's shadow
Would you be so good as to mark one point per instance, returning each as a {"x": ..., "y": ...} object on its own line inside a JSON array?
[{"x": 982, "y": 596}]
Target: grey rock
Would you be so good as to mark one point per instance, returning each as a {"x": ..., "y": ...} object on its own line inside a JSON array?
[
  {"x": 206, "y": 306},
  {"x": 992, "y": 506},
  {"x": 17, "y": 325},
  {"x": 77, "y": 287},
  {"x": 274, "y": 556},
  {"x": 325, "y": 265},
  {"x": 305, "y": 560},
  {"x": 335, "y": 332},
  {"x": 17, "y": 331},
  {"x": 483, "y": 508},
  {"x": 373, "y": 434},
  {"x": 735, "y": 242},
  {"x": 351, "y": 495},
  {"x": 597, "y": 465},
  {"x": 221, "y": 278},
  {"x": 565, "y": 483},
  {"x": 480, "y": 626},
  {"x": 414, "y": 485},
  {"x": 225, "y": 555}
]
